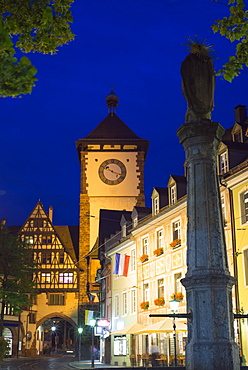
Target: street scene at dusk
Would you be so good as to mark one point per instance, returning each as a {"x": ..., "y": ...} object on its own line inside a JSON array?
[{"x": 124, "y": 184}]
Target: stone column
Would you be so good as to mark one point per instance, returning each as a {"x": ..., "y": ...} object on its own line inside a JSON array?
[{"x": 208, "y": 282}]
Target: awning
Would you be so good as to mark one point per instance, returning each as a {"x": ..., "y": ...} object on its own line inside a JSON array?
[
  {"x": 131, "y": 329},
  {"x": 162, "y": 327}
]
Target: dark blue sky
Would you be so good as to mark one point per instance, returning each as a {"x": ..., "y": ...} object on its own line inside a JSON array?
[{"x": 135, "y": 46}]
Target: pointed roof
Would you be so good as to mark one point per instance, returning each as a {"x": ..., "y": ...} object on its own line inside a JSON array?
[{"x": 112, "y": 130}]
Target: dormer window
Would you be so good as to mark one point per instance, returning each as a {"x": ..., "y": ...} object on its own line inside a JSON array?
[
  {"x": 124, "y": 230},
  {"x": 135, "y": 221},
  {"x": 237, "y": 137},
  {"x": 156, "y": 205},
  {"x": 223, "y": 163},
  {"x": 173, "y": 194}
]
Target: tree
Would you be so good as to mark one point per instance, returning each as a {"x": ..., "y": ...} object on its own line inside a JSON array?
[
  {"x": 30, "y": 26},
  {"x": 17, "y": 269},
  {"x": 234, "y": 28}
]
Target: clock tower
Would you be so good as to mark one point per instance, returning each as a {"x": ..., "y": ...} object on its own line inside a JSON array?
[{"x": 112, "y": 161}]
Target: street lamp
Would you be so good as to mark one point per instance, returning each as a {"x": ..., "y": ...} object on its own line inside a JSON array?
[
  {"x": 92, "y": 324},
  {"x": 80, "y": 330},
  {"x": 174, "y": 307},
  {"x": 53, "y": 328}
]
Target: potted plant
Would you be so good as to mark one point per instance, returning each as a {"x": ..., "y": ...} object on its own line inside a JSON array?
[
  {"x": 177, "y": 296},
  {"x": 158, "y": 252},
  {"x": 144, "y": 305},
  {"x": 159, "y": 301},
  {"x": 176, "y": 243},
  {"x": 144, "y": 258}
]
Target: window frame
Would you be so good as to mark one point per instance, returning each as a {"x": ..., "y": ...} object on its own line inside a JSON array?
[{"x": 133, "y": 301}]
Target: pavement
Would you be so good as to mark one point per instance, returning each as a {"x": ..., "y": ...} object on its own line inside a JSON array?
[{"x": 98, "y": 365}]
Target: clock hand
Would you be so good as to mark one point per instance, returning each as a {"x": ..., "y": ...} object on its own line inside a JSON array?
[{"x": 108, "y": 169}]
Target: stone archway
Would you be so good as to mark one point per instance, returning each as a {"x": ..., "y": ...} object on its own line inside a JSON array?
[{"x": 61, "y": 339}]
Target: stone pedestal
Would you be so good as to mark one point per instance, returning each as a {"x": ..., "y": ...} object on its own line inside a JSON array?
[{"x": 208, "y": 282}]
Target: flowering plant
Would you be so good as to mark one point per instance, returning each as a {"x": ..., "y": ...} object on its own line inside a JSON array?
[
  {"x": 176, "y": 243},
  {"x": 159, "y": 301},
  {"x": 144, "y": 258},
  {"x": 158, "y": 252},
  {"x": 4, "y": 348},
  {"x": 144, "y": 305},
  {"x": 177, "y": 296}
]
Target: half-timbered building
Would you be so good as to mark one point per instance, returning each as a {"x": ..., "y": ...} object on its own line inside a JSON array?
[{"x": 50, "y": 324}]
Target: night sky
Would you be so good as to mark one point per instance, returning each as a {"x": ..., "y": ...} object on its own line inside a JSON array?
[{"x": 134, "y": 46}]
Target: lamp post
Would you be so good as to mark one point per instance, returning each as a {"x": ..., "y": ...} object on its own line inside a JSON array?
[
  {"x": 80, "y": 330},
  {"x": 174, "y": 308},
  {"x": 53, "y": 328},
  {"x": 92, "y": 324}
]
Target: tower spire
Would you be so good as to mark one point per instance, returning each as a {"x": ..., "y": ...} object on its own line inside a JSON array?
[{"x": 112, "y": 102}]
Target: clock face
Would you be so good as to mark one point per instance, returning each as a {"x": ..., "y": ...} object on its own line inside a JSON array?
[{"x": 112, "y": 172}]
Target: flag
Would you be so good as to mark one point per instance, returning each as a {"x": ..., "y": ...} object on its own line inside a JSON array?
[
  {"x": 117, "y": 263},
  {"x": 88, "y": 317},
  {"x": 126, "y": 264},
  {"x": 121, "y": 264}
]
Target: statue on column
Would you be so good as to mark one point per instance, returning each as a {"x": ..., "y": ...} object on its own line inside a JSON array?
[{"x": 198, "y": 81}]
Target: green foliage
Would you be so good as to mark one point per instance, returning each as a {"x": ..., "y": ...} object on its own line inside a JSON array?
[
  {"x": 30, "y": 26},
  {"x": 235, "y": 29},
  {"x": 17, "y": 273},
  {"x": 4, "y": 348}
]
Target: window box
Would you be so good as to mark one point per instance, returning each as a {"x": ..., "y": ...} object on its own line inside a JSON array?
[
  {"x": 144, "y": 258},
  {"x": 159, "y": 301},
  {"x": 144, "y": 305},
  {"x": 176, "y": 243},
  {"x": 177, "y": 296},
  {"x": 158, "y": 252}
]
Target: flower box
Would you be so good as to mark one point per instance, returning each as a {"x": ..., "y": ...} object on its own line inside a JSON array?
[
  {"x": 158, "y": 252},
  {"x": 176, "y": 243},
  {"x": 159, "y": 301},
  {"x": 177, "y": 296},
  {"x": 144, "y": 258},
  {"x": 144, "y": 305}
]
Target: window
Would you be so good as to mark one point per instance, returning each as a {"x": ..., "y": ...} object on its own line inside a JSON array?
[
  {"x": 124, "y": 230},
  {"x": 135, "y": 221},
  {"x": 45, "y": 277},
  {"x": 160, "y": 288},
  {"x": 173, "y": 194},
  {"x": 61, "y": 257},
  {"x": 29, "y": 239},
  {"x": 133, "y": 301},
  {"x": 146, "y": 292},
  {"x": 177, "y": 282},
  {"x": 120, "y": 345},
  {"x": 145, "y": 246},
  {"x": 160, "y": 238},
  {"x": 223, "y": 209},
  {"x": 244, "y": 207},
  {"x": 237, "y": 137},
  {"x": 8, "y": 309},
  {"x": 176, "y": 232},
  {"x": 66, "y": 277},
  {"x": 45, "y": 258},
  {"x": 223, "y": 163},
  {"x": 124, "y": 302},
  {"x": 245, "y": 254},
  {"x": 117, "y": 306},
  {"x": 56, "y": 299},
  {"x": 46, "y": 239},
  {"x": 156, "y": 205},
  {"x": 132, "y": 260},
  {"x": 32, "y": 317}
]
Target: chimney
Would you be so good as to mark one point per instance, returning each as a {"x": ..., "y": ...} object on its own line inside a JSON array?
[
  {"x": 240, "y": 113},
  {"x": 50, "y": 213}
]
